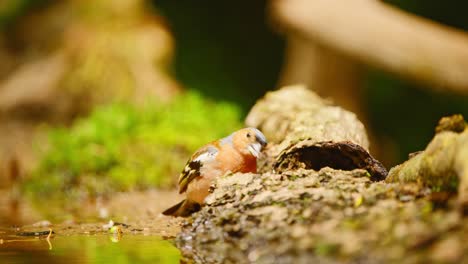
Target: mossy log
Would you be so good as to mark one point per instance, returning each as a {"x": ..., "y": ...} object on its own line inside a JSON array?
[
  {"x": 295, "y": 212},
  {"x": 306, "y": 131},
  {"x": 443, "y": 165}
]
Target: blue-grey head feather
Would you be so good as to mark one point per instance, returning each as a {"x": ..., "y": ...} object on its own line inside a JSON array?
[{"x": 226, "y": 140}]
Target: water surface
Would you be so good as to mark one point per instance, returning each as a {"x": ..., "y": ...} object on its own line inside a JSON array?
[{"x": 99, "y": 248}]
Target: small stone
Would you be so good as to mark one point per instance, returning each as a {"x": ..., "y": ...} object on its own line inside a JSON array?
[
  {"x": 108, "y": 225},
  {"x": 406, "y": 198},
  {"x": 43, "y": 223}
]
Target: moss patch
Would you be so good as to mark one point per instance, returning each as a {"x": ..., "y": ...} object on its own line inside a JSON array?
[{"x": 121, "y": 147}]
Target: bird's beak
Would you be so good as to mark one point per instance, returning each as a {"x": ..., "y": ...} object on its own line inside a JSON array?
[
  {"x": 261, "y": 139},
  {"x": 255, "y": 149}
]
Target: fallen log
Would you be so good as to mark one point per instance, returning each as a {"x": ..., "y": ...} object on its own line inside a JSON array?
[
  {"x": 308, "y": 132},
  {"x": 443, "y": 165},
  {"x": 305, "y": 206}
]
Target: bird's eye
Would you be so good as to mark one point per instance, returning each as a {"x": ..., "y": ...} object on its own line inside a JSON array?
[{"x": 248, "y": 135}]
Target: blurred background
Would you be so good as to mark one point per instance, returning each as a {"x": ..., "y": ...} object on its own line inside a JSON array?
[{"x": 102, "y": 96}]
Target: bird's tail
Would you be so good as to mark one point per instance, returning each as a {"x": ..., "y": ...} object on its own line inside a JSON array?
[{"x": 183, "y": 209}]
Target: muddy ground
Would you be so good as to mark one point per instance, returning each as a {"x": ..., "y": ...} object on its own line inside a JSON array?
[{"x": 134, "y": 212}]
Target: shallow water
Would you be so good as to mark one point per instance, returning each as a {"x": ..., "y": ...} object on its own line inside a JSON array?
[
  {"x": 83, "y": 239},
  {"x": 99, "y": 248}
]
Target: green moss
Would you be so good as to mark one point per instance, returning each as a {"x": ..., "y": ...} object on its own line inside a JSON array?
[
  {"x": 326, "y": 249},
  {"x": 294, "y": 177},
  {"x": 121, "y": 147},
  {"x": 352, "y": 223}
]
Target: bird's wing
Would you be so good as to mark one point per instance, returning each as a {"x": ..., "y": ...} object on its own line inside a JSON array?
[{"x": 193, "y": 167}]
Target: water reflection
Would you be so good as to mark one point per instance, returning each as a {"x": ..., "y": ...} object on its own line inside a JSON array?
[{"x": 86, "y": 249}]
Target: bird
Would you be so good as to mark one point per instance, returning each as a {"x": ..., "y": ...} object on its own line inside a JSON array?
[{"x": 237, "y": 152}]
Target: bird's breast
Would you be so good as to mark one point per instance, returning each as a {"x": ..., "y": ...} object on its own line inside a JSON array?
[
  {"x": 232, "y": 160},
  {"x": 226, "y": 161}
]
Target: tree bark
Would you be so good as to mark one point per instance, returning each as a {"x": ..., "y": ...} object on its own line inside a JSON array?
[{"x": 309, "y": 132}]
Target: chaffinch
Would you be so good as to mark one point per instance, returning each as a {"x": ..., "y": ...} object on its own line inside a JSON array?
[{"x": 237, "y": 152}]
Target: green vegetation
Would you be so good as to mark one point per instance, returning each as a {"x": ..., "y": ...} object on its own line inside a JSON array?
[{"x": 121, "y": 147}]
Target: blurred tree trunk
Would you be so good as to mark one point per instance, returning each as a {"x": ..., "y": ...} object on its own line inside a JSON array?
[
  {"x": 327, "y": 72},
  {"x": 379, "y": 35},
  {"x": 65, "y": 57}
]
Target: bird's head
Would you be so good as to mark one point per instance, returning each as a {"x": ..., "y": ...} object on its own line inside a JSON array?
[{"x": 249, "y": 141}]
